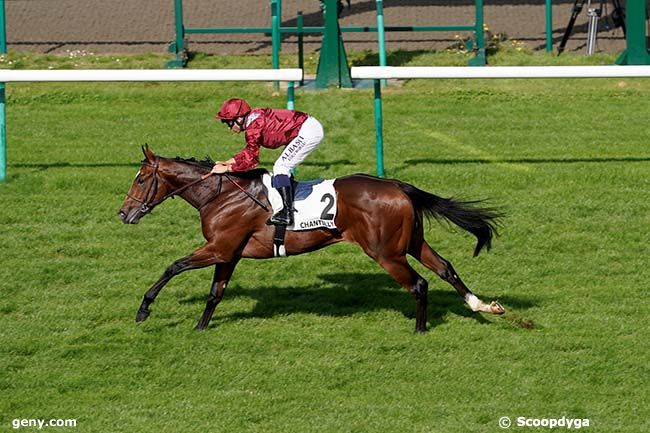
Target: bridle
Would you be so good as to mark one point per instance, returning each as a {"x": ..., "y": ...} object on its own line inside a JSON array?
[{"x": 147, "y": 205}]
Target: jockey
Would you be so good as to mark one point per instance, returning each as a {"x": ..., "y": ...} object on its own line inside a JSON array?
[{"x": 271, "y": 128}]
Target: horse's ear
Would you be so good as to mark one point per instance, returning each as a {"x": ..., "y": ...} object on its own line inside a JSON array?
[{"x": 148, "y": 153}]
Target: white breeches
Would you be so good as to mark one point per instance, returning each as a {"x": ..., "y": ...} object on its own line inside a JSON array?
[{"x": 309, "y": 137}]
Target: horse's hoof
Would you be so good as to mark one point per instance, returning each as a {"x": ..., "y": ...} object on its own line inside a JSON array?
[
  {"x": 141, "y": 316},
  {"x": 496, "y": 308}
]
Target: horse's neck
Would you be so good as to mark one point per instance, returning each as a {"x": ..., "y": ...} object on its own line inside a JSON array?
[
  {"x": 209, "y": 189},
  {"x": 196, "y": 194}
]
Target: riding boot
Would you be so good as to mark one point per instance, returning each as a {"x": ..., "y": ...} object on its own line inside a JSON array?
[{"x": 285, "y": 216}]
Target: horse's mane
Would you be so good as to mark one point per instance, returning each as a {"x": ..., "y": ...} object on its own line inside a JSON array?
[{"x": 208, "y": 163}]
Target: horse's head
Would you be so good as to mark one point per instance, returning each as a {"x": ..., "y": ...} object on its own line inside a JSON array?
[{"x": 147, "y": 190}]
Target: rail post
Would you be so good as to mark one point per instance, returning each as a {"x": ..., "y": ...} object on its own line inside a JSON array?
[
  {"x": 381, "y": 35},
  {"x": 549, "y": 26},
  {"x": 301, "y": 48},
  {"x": 3, "y": 116},
  {"x": 379, "y": 130},
  {"x": 480, "y": 58},
  {"x": 636, "y": 52},
  {"x": 291, "y": 95},
  {"x": 178, "y": 46},
  {"x": 275, "y": 36}
]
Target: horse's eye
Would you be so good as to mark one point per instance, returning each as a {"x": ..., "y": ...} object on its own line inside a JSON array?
[{"x": 140, "y": 180}]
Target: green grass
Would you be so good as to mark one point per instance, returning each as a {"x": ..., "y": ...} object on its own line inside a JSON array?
[{"x": 324, "y": 342}]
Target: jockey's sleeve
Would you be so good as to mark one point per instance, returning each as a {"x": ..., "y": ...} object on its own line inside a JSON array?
[{"x": 248, "y": 157}]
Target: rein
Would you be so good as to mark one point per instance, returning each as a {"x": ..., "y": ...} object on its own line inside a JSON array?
[
  {"x": 147, "y": 206},
  {"x": 262, "y": 205},
  {"x": 183, "y": 188}
]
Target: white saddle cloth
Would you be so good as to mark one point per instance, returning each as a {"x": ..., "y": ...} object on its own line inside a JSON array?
[{"x": 314, "y": 203}]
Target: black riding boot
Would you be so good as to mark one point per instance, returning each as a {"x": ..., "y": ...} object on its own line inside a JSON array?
[{"x": 285, "y": 216}]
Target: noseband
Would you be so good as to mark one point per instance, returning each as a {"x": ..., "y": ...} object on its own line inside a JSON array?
[{"x": 146, "y": 204}]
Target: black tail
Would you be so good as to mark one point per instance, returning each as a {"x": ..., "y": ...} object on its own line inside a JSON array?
[{"x": 481, "y": 222}]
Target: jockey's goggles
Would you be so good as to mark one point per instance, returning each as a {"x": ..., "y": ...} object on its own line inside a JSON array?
[{"x": 231, "y": 122}]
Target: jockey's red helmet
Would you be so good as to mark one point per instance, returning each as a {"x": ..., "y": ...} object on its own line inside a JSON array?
[{"x": 233, "y": 108}]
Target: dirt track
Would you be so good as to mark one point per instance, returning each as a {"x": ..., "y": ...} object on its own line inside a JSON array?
[{"x": 122, "y": 26}]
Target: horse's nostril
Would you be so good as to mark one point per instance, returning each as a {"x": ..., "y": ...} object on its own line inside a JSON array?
[{"x": 121, "y": 214}]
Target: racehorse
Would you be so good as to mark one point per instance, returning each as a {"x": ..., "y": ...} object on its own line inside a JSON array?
[{"x": 383, "y": 217}]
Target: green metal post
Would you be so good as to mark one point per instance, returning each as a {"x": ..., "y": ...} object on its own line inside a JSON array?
[
  {"x": 178, "y": 46},
  {"x": 275, "y": 36},
  {"x": 3, "y": 117},
  {"x": 549, "y": 25},
  {"x": 333, "y": 67},
  {"x": 381, "y": 35},
  {"x": 379, "y": 133},
  {"x": 3, "y": 132},
  {"x": 636, "y": 52},
  {"x": 301, "y": 48},
  {"x": 479, "y": 59},
  {"x": 291, "y": 96}
]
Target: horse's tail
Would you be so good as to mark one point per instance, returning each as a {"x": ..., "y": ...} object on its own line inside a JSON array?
[{"x": 482, "y": 222}]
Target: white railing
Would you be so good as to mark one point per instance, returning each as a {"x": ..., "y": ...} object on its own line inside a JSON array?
[
  {"x": 379, "y": 73},
  {"x": 50, "y": 75},
  {"x": 410, "y": 72},
  {"x": 123, "y": 75}
]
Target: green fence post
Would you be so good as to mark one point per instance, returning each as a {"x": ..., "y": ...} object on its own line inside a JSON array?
[
  {"x": 291, "y": 95},
  {"x": 549, "y": 25},
  {"x": 178, "y": 46},
  {"x": 3, "y": 133},
  {"x": 3, "y": 117},
  {"x": 479, "y": 59},
  {"x": 275, "y": 36},
  {"x": 379, "y": 133},
  {"x": 636, "y": 52},
  {"x": 301, "y": 48},
  {"x": 381, "y": 35}
]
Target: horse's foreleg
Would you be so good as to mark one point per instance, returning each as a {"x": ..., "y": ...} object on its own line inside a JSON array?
[
  {"x": 199, "y": 259},
  {"x": 429, "y": 258},
  {"x": 222, "y": 274}
]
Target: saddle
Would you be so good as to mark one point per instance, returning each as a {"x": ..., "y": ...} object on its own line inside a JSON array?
[{"x": 314, "y": 207}]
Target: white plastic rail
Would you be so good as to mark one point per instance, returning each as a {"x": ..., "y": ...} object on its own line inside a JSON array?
[
  {"x": 50, "y": 75},
  {"x": 124, "y": 75},
  {"x": 410, "y": 72},
  {"x": 378, "y": 73}
]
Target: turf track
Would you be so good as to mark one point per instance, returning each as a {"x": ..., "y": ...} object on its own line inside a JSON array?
[{"x": 324, "y": 342}]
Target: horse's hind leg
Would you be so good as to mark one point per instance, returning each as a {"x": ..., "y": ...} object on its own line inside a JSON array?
[
  {"x": 222, "y": 274},
  {"x": 429, "y": 258},
  {"x": 417, "y": 286}
]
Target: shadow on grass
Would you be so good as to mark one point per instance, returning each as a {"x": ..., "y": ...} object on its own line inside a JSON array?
[{"x": 347, "y": 294}]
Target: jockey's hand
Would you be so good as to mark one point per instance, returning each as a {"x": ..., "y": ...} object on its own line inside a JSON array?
[{"x": 220, "y": 168}]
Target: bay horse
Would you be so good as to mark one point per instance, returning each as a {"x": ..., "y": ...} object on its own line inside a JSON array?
[{"x": 383, "y": 217}]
